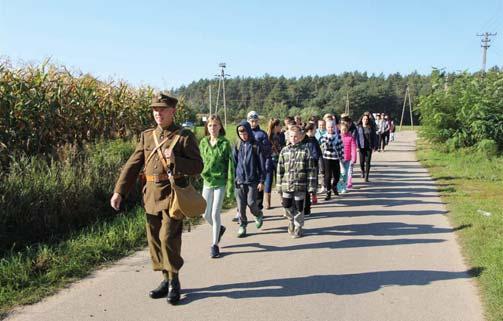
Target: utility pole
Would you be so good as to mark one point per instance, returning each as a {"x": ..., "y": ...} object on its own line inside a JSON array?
[
  {"x": 347, "y": 103},
  {"x": 221, "y": 85},
  {"x": 209, "y": 88},
  {"x": 407, "y": 96},
  {"x": 485, "y": 44}
]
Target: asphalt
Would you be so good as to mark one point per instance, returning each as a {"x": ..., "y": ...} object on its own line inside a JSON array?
[{"x": 383, "y": 251}]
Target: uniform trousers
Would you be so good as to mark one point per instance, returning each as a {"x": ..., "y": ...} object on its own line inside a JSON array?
[{"x": 164, "y": 235}]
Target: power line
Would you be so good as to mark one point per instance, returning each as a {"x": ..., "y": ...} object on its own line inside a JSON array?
[
  {"x": 489, "y": 24},
  {"x": 485, "y": 44}
]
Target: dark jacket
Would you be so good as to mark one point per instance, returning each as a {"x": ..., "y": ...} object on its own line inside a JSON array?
[
  {"x": 360, "y": 140},
  {"x": 249, "y": 159},
  {"x": 265, "y": 145},
  {"x": 314, "y": 147}
]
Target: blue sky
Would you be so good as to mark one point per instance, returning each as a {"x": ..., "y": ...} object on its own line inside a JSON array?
[{"x": 170, "y": 43}]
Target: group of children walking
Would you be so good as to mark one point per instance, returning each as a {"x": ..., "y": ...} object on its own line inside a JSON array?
[{"x": 294, "y": 156}]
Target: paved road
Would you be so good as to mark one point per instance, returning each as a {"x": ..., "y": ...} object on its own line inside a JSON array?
[{"x": 385, "y": 251}]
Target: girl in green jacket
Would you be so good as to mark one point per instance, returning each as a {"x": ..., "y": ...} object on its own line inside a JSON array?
[{"x": 218, "y": 176}]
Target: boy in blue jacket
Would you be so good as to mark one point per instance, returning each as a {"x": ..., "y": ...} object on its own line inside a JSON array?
[{"x": 250, "y": 176}]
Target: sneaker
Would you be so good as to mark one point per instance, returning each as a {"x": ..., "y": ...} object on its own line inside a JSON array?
[
  {"x": 259, "y": 220},
  {"x": 236, "y": 218},
  {"x": 314, "y": 199},
  {"x": 327, "y": 198},
  {"x": 291, "y": 228},
  {"x": 242, "y": 231},
  {"x": 297, "y": 233},
  {"x": 336, "y": 192},
  {"x": 322, "y": 190},
  {"x": 215, "y": 251},
  {"x": 222, "y": 231},
  {"x": 350, "y": 186},
  {"x": 344, "y": 191},
  {"x": 366, "y": 180}
]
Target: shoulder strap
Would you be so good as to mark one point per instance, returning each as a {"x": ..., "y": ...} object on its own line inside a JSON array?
[
  {"x": 170, "y": 148},
  {"x": 156, "y": 148}
]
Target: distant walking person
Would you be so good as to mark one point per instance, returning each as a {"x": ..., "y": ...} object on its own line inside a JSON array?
[
  {"x": 367, "y": 142},
  {"x": 320, "y": 132},
  {"x": 218, "y": 176},
  {"x": 314, "y": 147},
  {"x": 386, "y": 131},
  {"x": 354, "y": 132},
  {"x": 333, "y": 153},
  {"x": 159, "y": 160},
  {"x": 296, "y": 177},
  {"x": 250, "y": 176},
  {"x": 392, "y": 129},
  {"x": 277, "y": 143},
  {"x": 349, "y": 143},
  {"x": 265, "y": 146}
]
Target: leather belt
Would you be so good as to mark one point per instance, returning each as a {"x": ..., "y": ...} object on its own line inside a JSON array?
[{"x": 160, "y": 178}]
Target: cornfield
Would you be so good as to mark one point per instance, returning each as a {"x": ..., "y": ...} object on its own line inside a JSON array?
[{"x": 45, "y": 107}]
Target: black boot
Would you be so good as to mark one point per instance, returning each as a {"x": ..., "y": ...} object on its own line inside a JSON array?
[
  {"x": 161, "y": 291},
  {"x": 174, "y": 290}
]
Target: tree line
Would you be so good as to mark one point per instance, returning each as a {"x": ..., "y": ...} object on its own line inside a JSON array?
[{"x": 310, "y": 95}]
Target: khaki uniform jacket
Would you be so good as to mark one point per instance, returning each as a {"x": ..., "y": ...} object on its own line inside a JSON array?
[{"x": 187, "y": 162}]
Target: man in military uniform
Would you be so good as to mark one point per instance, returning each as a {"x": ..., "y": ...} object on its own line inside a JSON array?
[{"x": 164, "y": 232}]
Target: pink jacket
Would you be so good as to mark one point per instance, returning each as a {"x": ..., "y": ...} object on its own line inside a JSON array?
[{"x": 349, "y": 143}]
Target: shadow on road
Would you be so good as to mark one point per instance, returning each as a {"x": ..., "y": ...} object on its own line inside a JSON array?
[
  {"x": 343, "y": 244},
  {"x": 344, "y": 284}
]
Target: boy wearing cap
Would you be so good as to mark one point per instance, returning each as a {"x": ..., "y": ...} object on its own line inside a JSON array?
[
  {"x": 164, "y": 232},
  {"x": 266, "y": 148}
]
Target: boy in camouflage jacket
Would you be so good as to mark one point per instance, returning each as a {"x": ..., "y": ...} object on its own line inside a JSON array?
[{"x": 296, "y": 175}]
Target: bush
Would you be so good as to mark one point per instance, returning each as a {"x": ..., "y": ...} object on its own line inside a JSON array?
[
  {"x": 488, "y": 147},
  {"x": 469, "y": 111},
  {"x": 452, "y": 144},
  {"x": 41, "y": 200}
]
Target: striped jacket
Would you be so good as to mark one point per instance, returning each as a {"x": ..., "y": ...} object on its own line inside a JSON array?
[
  {"x": 296, "y": 170},
  {"x": 332, "y": 147}
]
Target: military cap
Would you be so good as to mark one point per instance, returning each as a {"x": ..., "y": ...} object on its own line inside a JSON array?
[{"x": 163, "y": 100}]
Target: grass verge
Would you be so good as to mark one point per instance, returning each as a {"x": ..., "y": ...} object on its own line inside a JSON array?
[
  {"x": 28, "y": 275},
  {"x": 472, "y": 186}
]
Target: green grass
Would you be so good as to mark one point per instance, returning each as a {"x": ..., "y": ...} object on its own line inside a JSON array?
[
  {"x": 43, "y": 200},
  {"x": 230, "y": 132},
  {"x": 30, "y": 274},
  {"x": 472, "y": 184}
]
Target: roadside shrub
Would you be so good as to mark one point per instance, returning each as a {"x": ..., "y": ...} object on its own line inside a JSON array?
[
  {"x": 452, "y": 144},
  {"x": 40, "y": 200},
  {"x": 488, "y": 147},
  {"x": 464, "y": 113}
]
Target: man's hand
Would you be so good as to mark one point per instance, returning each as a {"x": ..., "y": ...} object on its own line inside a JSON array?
[
  {"x": 260, "y": 187},
  {"x": 115, "y": 201}
]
